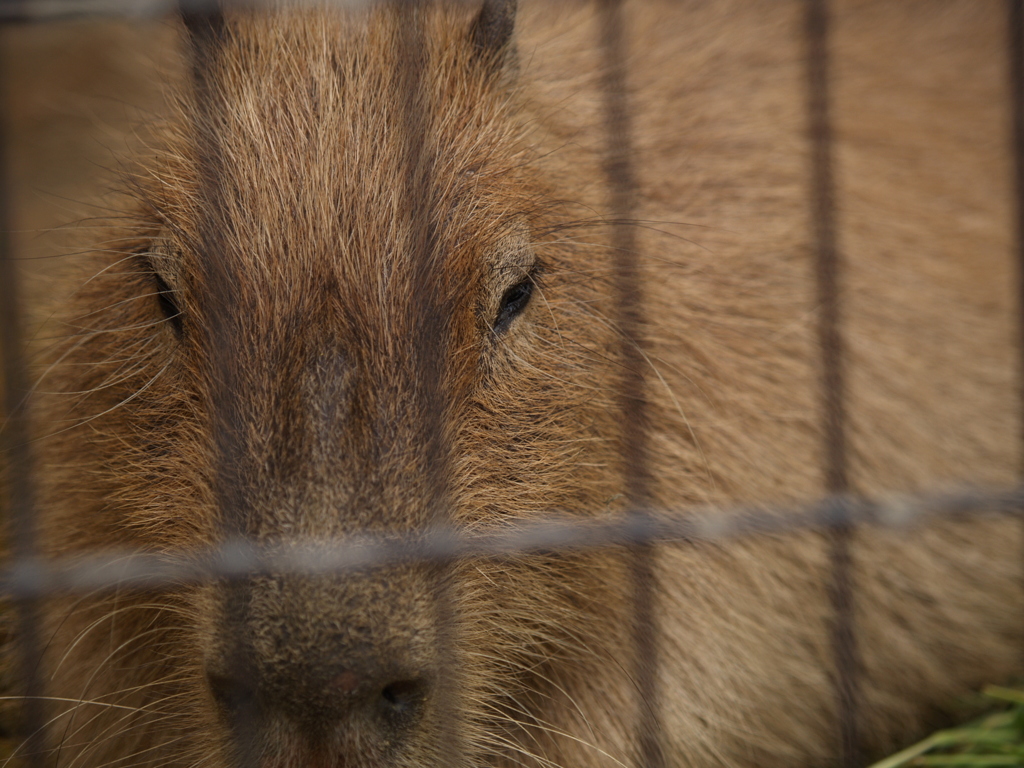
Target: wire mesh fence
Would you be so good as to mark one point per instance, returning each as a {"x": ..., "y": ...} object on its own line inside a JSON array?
[{"x": 27, "y": 578}]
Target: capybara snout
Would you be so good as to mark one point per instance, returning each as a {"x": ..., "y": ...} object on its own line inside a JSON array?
[{"x": 349, "y": 660}]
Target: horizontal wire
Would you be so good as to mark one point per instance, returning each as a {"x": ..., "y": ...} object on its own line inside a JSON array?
[
  {"x": 30, "y": 11},
  {"x": 239, "y": 558}
]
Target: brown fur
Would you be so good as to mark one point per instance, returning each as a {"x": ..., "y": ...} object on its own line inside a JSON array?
[{"x": 316, "y": 234}]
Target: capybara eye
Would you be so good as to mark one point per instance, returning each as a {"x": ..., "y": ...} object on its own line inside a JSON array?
[
  {"x": 168, "y": 303},
  {"x": 513, "y": 303}
]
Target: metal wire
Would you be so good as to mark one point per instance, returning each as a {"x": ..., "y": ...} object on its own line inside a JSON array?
[
  {"x": 239, "y": 558},
  {"x": 32, "y": 11},
  {"x": 205, "y": 27},
  {"x": 427, "y": 353},
  {"x": 631, "y": 386},
  {"x": 830, "y": 343},
  {"x": 17, "y": 450},
  {"x": 1015, "y": 62}
]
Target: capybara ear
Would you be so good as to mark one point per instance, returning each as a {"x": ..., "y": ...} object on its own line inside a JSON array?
[
  {"x": 204, "y": 23},
  {"x": 492, "y": 33}
]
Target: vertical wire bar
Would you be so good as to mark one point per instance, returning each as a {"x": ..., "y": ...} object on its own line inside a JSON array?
[
  {"x": 832, "y": 377},
  {"x": 17, "y": 445},
  {"x": 429, "y": 346},
  {"x": 207, "y": 33},
  {"x": 1015, "y": 61},
  {"x": 649, "y": 742}
]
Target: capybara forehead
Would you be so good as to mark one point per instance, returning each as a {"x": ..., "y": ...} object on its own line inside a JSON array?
[{"x": 345, "y": 167}]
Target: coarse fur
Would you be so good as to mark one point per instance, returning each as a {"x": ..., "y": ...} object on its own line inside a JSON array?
[{"x": 301, "y": 334}]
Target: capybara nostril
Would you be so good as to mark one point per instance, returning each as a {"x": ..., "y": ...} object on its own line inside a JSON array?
[
  {"x": 353, "y": 699},
  {"x": 403, "y": 700},
  {"x": 230, "y": 692}
]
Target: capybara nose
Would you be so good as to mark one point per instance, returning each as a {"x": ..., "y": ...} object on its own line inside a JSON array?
[
  {"x": 322, "y": 699},
  {"x": 351, "y": 659}
]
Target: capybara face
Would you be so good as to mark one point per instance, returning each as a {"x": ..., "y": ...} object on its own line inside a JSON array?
[{"x": 349, "y": 309}]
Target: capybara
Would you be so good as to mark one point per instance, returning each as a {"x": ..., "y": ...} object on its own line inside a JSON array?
[{"x": 362, "y": 282}]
